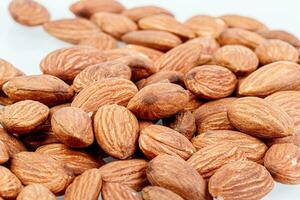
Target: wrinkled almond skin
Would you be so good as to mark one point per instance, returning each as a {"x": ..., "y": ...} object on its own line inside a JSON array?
[
  {"x": 131, "y": 173},
  {"x": 66, "y": 63},
  {"x": 156, "y": 140},
  {"x": 10, "y": 185},
  {"x": 281, "y": 35},
  {"x": 173, "y": 173},
  {"x": 117, "y": 191},
  {"x": 158, "y": 100},
  {"x": 116, "y": 130},
  {"x": 39, "y": 138},
  {"x": 101, "y": 41},
  {"x": 24, "y": 116},
  {"x": 4, "y": 153},
  {"x": 87, "y": 186},
  {"x": 106, "y": 91},
  {"x": 210, "y": 158},
  {"x": 28, "y": 12},
  {"x": 73, "y": 127},
  {"x": 36, "y": 192},
  {"x": 210, "y": 81},
  {"x": 248, "y": 181},
  {"x": 138, "y": 13},
  {"x": 32, "y": 167},
  {"x": 7, "y": 72},
  {"x": 254, "y": 148},
  {"x": 46, "y": 89},
  {"x": 149, "y": 52},
  {"x": 14, "y": 145},
  {"x": 243, "y": 22},
  {"x": 159, "y": 193}
]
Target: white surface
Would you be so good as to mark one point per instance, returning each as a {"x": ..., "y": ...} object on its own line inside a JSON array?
[{"x": 25, "y": 46}]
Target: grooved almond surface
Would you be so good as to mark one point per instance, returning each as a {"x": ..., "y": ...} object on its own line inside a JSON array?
[
  {"x": 7, "y": 72},
  {"x": 281, "y": 35},
  {"x": 156, "y": 140},
  {"x": 159, "y": 193},
  {"x": 14, "y": 145},
  {"x": 101, "y": 41},
  {"x": 117, "y": 191},
  {"x": 243, "y": 22},
  {"x": 107, "y": 91},
  {"x": 36, "y": 192},
  {"x": 248, "y": 180},
  {"x": 116, "y": 130},
  {"x": 10, "y": 185},
  {"x": 4, "y": 153},
  {"x": 138, "y": 13},
  {"x": 150, "y": 53},
  {"x": 28, "y": 12}
]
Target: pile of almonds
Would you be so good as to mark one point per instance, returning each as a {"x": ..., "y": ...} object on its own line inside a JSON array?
[{"x": 208, "y": 108}]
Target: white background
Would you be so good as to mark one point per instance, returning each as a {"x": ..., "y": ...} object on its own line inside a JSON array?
[{"x": 26, "y": 46}]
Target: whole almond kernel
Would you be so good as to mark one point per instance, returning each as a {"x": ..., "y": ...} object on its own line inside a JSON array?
[
  {"x": 237, "y": 58},
  {"x": 156, "y": 140},
  {"x": 10, "y": 185},
  {"x": 118, "y": 191},
  {"x": 274, "y": 77},
  {"x": 131, "y": 173},
  {"x": 106, "y": 91},
  {"x": 73, "y": 127},
  {"x": 87, "y": 186},
  {"x": 281, "y": 35},
  {"x": 248, "y": 180},
  {"x": 138, "y": 13},
  {"x": 39, "y": 138},
  {"x": 66, "y": 63},
  {"x": 7, "y": 72},
  {"x": 158, "y": 100},
  {"x": 159, "y": 193},
  {"x": 260, "y": 118},
  {"x": 28, "y": 12},
  {"x": 13, "y": 144},
  {"x": 36, "y": 192},
  {"x": 282, "y": 161},
  {"x": 101, "y": 41},
  {"x": 77, "y": 161},
  {"x": 210, "y": 158},
  {"x": 4, "y": 152},
  {"x": 173, "y": 173},
  {"x": 71, "y": 30},
  {"x": 33, "y": 167},
  {"x": 150, "y": 53},
  {"x": 210, "y": 81},
  {"x": 276, "y": 50},
  {"x": 116, "y": 130}
]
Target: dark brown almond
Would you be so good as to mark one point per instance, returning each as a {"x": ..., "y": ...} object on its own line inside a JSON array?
[
  {"x": 138, "y": 13},
  {"x": 117, "y": 191}
]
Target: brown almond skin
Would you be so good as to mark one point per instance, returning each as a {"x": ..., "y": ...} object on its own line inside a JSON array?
[
  {"x": 281, "y": 35},
  {"x": 90, "y": 184},
  {"x": 282, "y": 161},
  {"x": 156, "y": 140},
  {"x": 131, "y": 173},
  {"x": 159, "y": 193},
  {"x": 248, "y": 180},
  {"x": 153, "y": 54},
  {"x": 243, "y": 22},
  {"x": 114, "y": 54},
  {"x": 46, "y": 89},
  {"x": 193, "y": 103},
  {"x": 4, "y": 153},
  {"x": 101, "y": 41},
  {"x": 7, "y": 72},
  {"x": 36, "y": 192},
  {"x": 138, "y": 13},
  {"x": 173, "y": 173},
  {"x": 73, "y": 127},
  {"x": 116, "y": 130},
  {"x": 4, "y": 100},
  {"x": 14, "y": 145},
  {"x": 10, "y": 185},
  {"x": 118, "y": 191},
  {"x": 260, "y": 118},
  {"x": 158, "y": 100},
  {"x": 39, "y": 138}
]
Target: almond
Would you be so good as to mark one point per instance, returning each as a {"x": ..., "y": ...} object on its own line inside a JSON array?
[
  {"x": 150, "y": 53},
  {"x": 138, "y": 13},
  {"x": 13, "y": 144},
  {"x": 144, "y": 124},
  {"x": 241, "y": 179},
  {"x": 159, "y": 193},
  {"x": 39, "y": 138},
  {"x": 10, "y": 185},
  {"x": 193, "y": 102},
  {"x": 7, "y": 72},
  {"x": 281, "y": 35},
  {"x": 4, "y": 100},
  {"x": 243, "y": 22},
  {"x": 36, "y": 192},
  {"x": 118, "y": 191},
  {"x": 101, "y": 41},
  {"x": 4, "y": 153},
  {"x": 114, "y": 54}
]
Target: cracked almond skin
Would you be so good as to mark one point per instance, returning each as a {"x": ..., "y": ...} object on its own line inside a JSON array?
[
  {"x": 210, "y": 81},
  {"x": 131, "y": 173},
  {"x": 66, "y": 63},
  {"x": 73, "y": 127},
  {"x": 101, "y": 41},
  {"x": 276, "y": 50},
  {"x": 245, "y": 180},
  {"x": 271, "y": 78},
  {"x": 94, "y": 73},
  {"x": 10, "y": 185},
  {"x": 33, "y": 167},
  {"x": 7, "y": 72},
  {"x": 239, "y": 59},
  {"x": 87, "y": 186},
  {"x": 159, "y": 40},
  {"x": 173, "y": 173},
  {"x": 36, "y": 192},
  {"x": 24, "y": 116},
  {"x": 282, "y": 161},
  {"x": 117, "y": 191},
  {"x": 77, "y": 161},
  {"x": 158, "y": 100},
  {"x": 116, "y": 130},
  {"x": 4, "y": 153},
  {"x": 107, "y": 91},
  {"x": 253, "y": 148},
  {"x": 156, "y": 140},
  {"x": 260, "y": 118},
  {"x": 281, "y": 35},
  {"x": 39, "y": 138},
  {"x": 28, "y": 12},
  {"x": 138, "y": 13},
  {"x": 159, "y": 193},
  {"x": 14, "y": 145},
  {"x": 71, "y": 30},
  {"x": 153, "y": 54},
  {"x": 210, "y": 158}
]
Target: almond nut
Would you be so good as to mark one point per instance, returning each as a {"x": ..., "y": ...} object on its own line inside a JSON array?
[{"x": 36, "y": 192}]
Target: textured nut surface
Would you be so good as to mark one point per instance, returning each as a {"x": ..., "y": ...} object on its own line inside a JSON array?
[
  {"x": 10, "y": 185},
  {"x": 101, "y": 41},
  {"x": 281, "y": 35},
  {"x": 149, "y": 52},
  {"x": 159, "y": 193},
  {"x": 14, "y": 145},
  {"x": 4, "y": 152},
  {"x": 7, "y": 72},
  {"x": 243, "y": 22},
  {"x": 140, "y": 12},
  {"x": 39, "y": 138},
  {"x": 118, "y": 191},
  {"x": 36, "y": 192}
]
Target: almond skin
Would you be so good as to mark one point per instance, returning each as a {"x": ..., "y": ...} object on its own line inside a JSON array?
[
  {"x": 10, "y": 185},
  {"x": 101, "y": 41},
  {"x": 4, "y": 153},
  {"x": 159, "y": 193},
  {"x": 14, "y": 145},
  {"x": 138, "y": 13},
  {"x": 118, "y": 191},
  {"x": 260, "y": 118},
  {"x": 150, "y": 53},
  {"x": 193, "y": 103},
  {"x": 248, "y": 180},
  {"x": 281, "y": 35},
  {"x": 158, "y": 100},
  {"x": 39, "y": 138},
  {"x": 116, "y": 130},
  {"x": 282, "y": 161},
  {"x": 243, "y": 22},
  {"x": 7, "y": 72},
  {"x": 36, "y": 192}
]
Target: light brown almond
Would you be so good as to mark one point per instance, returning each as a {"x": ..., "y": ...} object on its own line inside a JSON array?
[
  {"x": 101, "y": 41},
  {"x": 243, "y": 22},
  {"x": 138, "y": 13},
  {"x": 281, "y": 35},
  {"x": 14, "y": 145},
  {"x": 10, "y": 185},
  {"x": 4, "y": 152},
  {"x": 114, "y": 54},
  {"x": 36, "y": 192},
  {"x": 7, "y": 72},
  {"x": 159, "y": 193},
  {"x": 4, "y": 100},
  {"x": 150, "y": 53},
  {"x": 117, "y": 191}
]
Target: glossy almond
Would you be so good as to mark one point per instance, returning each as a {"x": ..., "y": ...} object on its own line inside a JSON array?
[
  {"x": 36, "y": 192},
  {"x": 243, "y": 22},
  {"x": 7, "y": 72},
  {"x": 248, "y": 180},
  {"x": 138, "y": 13},
  {"x": 157, "y": 101},
  {"x": 4, "y": 153},
  {"x": 159, "y": 193},
  {"x": 281, "y": 35},
  {"x": 101, "y": 41},
  {"x": 118, "y": 191},
  {"x": 149, "y": 52},
  {"x": 14, "y": 145},
  {"x": 10, "y": 185}
]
